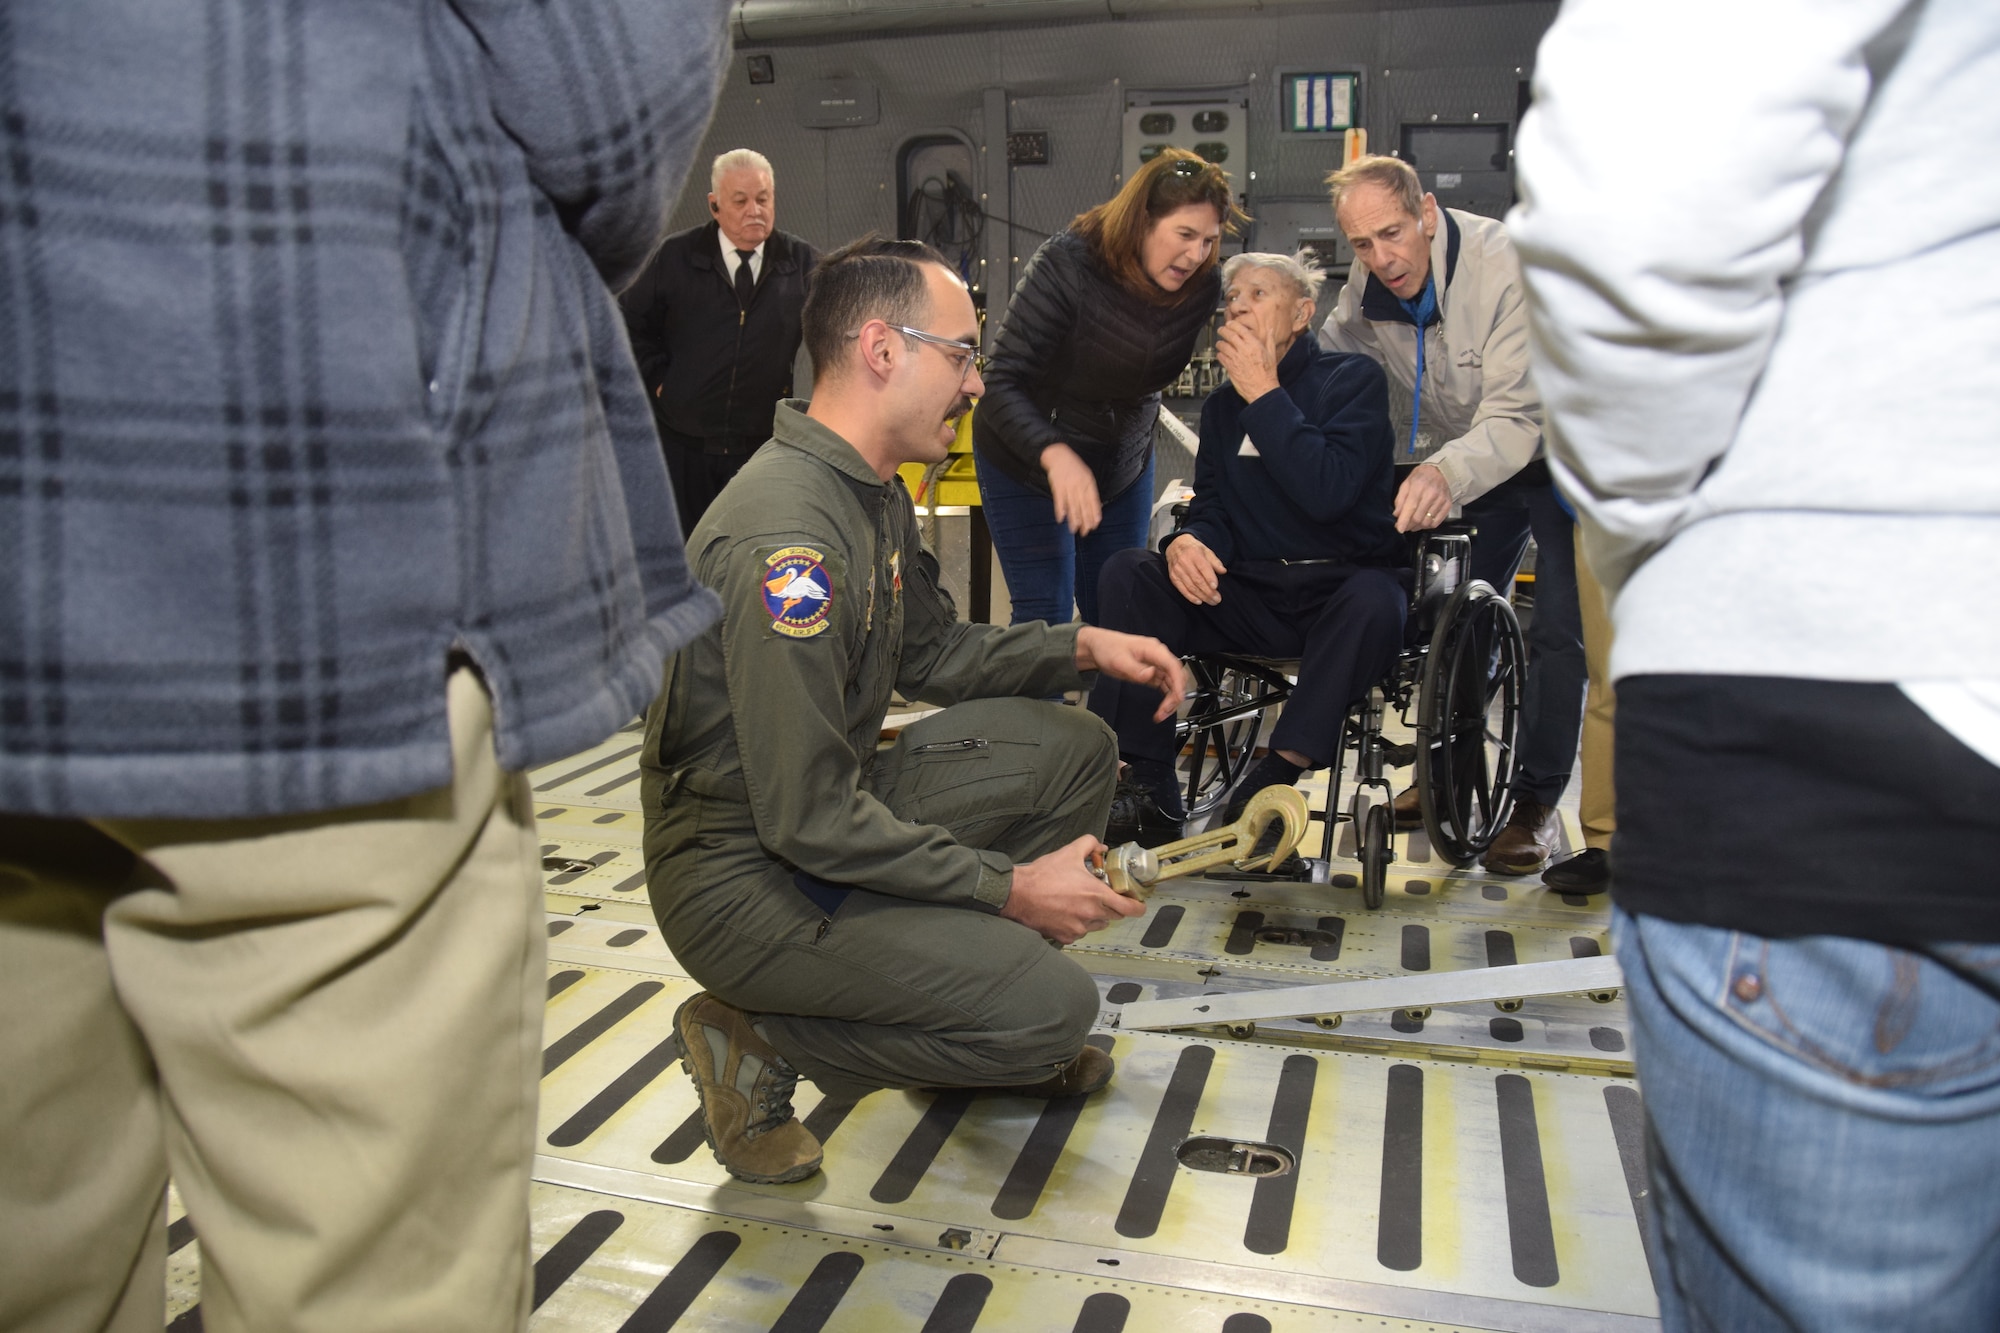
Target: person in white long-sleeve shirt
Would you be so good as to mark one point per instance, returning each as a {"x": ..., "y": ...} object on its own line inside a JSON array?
[{"x": 1764, "y": 279}]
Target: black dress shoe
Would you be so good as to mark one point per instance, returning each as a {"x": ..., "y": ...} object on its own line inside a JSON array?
[
  {"x": 1589, "y": 871},
  {"x": 1136, "y": 817}
]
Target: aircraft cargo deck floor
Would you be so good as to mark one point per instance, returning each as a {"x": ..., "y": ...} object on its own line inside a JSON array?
[{"x": 1463, "y": 1170}]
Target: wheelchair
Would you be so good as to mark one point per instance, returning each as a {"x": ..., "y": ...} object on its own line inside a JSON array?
[{"x": 1456, "y": 682}]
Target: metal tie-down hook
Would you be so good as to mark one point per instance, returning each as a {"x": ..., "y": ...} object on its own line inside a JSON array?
[{"x": 1134, "y": 870}]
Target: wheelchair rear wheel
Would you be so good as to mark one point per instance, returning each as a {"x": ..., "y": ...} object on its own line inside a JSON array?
[{"x": 1468, "y": 712}]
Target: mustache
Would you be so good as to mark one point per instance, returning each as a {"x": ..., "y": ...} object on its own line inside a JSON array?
[{"x": 964, "y": 406}]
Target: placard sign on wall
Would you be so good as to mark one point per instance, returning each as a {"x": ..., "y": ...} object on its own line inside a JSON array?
[
  {"x": 1209, "y": 124},
  {"x": 1310, "y": 103}
]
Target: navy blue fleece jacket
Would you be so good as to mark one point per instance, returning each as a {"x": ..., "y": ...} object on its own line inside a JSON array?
[{"x": 1321, "y": 482}]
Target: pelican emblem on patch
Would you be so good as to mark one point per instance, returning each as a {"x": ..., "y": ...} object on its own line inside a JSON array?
[{"x": 798, "y": 592}]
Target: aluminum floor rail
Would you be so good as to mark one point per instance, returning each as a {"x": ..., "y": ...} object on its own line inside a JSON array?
[{"x": 1564, "y": 977}]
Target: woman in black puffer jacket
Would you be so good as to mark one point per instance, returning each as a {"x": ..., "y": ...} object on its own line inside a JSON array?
[{"x": 1106, "y": 315}]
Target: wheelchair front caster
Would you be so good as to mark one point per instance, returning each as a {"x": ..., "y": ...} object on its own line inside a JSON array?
[{"x": 1377, "y": 850}]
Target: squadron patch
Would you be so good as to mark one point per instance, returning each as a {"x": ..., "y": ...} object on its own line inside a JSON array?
[{"x": 798, "y": 592}]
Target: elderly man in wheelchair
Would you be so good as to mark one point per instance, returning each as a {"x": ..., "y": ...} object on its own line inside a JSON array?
[{"x": 1289, "y": 549}]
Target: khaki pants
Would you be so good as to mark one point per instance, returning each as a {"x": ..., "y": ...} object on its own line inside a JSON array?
[
  {"x": 1597, "y": 802},
  {"x": 326, "y": 1027},
  {"x": 891, "y": 993}
]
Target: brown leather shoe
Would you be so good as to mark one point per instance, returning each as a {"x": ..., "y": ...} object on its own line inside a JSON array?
[
  {"x": 1408, "y": 809},
  {"x": 746, "y": 1094},
  {"x": 1082, "y": 1076},
  {"x": 1528, "y": 841}
]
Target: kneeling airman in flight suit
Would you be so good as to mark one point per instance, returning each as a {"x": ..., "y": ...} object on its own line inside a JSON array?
[{"x": 873, "y": 918}]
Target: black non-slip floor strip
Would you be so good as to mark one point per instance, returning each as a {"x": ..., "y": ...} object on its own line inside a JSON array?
[
  {"x": 1529, "y": 1232},
  {"x": 180, "y": 1235},
  {"x": 959, "y": 1304},
  {"x": 599, "y": 1023},
  {"x": 681, "y": 1287},
  {"x": 1399, "y": 1227},
  {"x": 1582, "y": 946},
  {"x": 900, "y": 1178},
  {"x": 562, "y": 981},
  {"x": 613, "y": 785},
  {"x": 1628, "y": 1130},
  {"x": 1029, "y": 1176},
  {"x": 1269, "y": 1228},
  {"x": 588, "y": 769},
  {"x": 1023, "y": 1187},
  {"x": 1160, "y": 930},
  {"x": 678, "y": 1146},
  {"x": 1416, "y": 948},
  {"x": 1500, "y": 951},
  {"x": 616, "y": 1094},
  {"x": 1104, "y": 1312},
  {"x": 1243, "y": 932},
  {"x": 825, "y": 1287},
  {"x": 187, "y": 1321},
  {"x": 1153, "y": 1179},
  {"x": 560, "y": 1262},
  {"x": 1245, "y": 1322},
  {"x": 827, "y": 1117},
  {"x": 1334, "y": 928}
]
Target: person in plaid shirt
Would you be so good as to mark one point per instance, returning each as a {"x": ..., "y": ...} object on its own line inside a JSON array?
[{"x": 330, "y": 502}]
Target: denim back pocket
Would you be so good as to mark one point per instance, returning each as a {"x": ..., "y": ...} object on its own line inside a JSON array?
[{"x": 1875, "y": 1015}]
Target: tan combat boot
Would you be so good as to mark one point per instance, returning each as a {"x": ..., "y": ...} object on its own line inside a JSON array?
[{"x": 746, "y": 1094}]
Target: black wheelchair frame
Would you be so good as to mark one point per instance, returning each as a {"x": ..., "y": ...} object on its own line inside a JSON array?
[{"x": 1460, "y": 671}]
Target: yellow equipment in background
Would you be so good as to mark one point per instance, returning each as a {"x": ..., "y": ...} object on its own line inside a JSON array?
[{"x": 952, "y": 482}]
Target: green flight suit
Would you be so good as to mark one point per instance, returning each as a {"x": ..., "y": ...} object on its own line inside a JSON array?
[{"x": 761, "y": 768}]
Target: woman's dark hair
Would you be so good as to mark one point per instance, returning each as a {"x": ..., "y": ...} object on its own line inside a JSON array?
[
  {"x": 872, "y": 278},
  {"x": 1117, "y": 228}
]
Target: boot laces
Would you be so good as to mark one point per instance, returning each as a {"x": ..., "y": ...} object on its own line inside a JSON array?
[{"x": 774, "y": 1098}]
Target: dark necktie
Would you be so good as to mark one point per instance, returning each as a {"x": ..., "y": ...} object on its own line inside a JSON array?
[{"x": 746, "y": 281}]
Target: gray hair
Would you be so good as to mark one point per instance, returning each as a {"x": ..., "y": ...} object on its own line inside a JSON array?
[
  {"x": 1302, "y": 270},
  {"x": 1393, "y": 174},
  {"x": 735, "y": 160}
]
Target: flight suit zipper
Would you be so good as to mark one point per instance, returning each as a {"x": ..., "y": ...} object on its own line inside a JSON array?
[{"x": 940, "y": 747}]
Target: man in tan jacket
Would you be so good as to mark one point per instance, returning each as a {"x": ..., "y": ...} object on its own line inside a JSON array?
[{"x": 1436, "y": 298}]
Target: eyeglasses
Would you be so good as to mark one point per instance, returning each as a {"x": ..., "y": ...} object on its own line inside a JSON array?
[
  {"x": 968, "y": 356},
  {"x": 1187, "y": 169}
]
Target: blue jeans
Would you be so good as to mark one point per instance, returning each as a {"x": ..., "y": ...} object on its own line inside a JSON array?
[
  {"x": 1824, "y": 1128},
  {"x": 1552, "y": 694},
  {"x": 1047, "y": 567}
]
